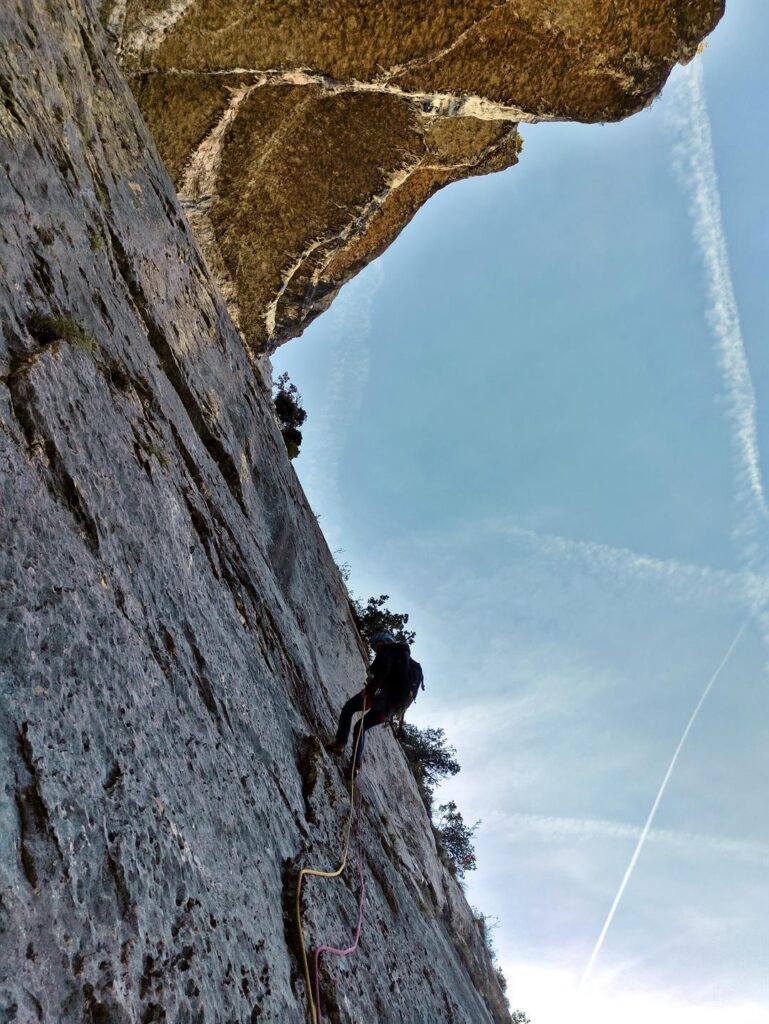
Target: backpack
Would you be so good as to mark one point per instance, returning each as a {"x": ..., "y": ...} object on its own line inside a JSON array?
[
  {"x": 416, "y": 679},
  {"x": 404, "y": 677}
]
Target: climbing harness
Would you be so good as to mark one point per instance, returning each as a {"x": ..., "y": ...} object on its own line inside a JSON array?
[{"x": 315, "y": 1016}]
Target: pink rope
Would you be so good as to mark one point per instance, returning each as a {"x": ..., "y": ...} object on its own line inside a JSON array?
[{"x": 359, "y": 926}]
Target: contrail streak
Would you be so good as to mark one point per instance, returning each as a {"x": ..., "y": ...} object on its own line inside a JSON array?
[
  {"x": 694, "y": 163},
  {"x": 744, "y": 589},
  {"x": 749, "y": 588},
  {"x": 655, "y": 805}
]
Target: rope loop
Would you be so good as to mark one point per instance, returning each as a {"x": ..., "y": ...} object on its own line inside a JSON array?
[{"x": 313, "y": 999}]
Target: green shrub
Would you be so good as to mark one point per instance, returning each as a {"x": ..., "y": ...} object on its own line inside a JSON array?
[
  {"x": 375, "y": 617},
  {"x": 430, "y": 758},
  {"x": 291, "y": 415},
  {"x": 457, "y": 838},
  {"x": 152, "y": 449},
  {"x": 47, "y": 329}
]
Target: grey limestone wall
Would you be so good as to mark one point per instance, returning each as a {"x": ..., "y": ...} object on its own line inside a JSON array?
[{"x": 174, "y": 637}]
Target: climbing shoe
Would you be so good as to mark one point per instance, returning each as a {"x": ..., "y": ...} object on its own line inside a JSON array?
[{"x": 334, "y": 747}]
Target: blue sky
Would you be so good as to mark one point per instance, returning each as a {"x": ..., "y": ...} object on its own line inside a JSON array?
[{"x": 538, "y": 422}]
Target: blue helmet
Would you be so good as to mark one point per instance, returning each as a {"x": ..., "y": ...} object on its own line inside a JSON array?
[{"x": 385, "y": 637}]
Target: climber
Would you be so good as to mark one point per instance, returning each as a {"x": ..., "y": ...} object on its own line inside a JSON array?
[{"x": 391, "y": 685}]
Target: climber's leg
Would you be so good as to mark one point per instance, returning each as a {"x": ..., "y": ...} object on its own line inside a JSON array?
[{"x": 353, "y": 705}]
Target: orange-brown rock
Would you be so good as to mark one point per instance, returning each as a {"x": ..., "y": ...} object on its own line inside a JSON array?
[{"x": 302, "y": 137}]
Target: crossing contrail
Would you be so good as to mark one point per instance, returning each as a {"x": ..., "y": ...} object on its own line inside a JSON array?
[
  {"x": 655, "y": 805},
  {"x": 556, "y": 828}
]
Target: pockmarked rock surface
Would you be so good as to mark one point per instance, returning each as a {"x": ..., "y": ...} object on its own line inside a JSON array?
[
  {"x": 174, "y": 637},
  {"x": 303, "y": 137}
]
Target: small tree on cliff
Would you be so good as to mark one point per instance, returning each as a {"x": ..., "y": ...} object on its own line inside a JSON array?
[
  {"x": 375, "y": 617},
  {"x": 291, "y": 415},
  {"x": 430, "y": 757},
  {"x": 456, "y": 838}
]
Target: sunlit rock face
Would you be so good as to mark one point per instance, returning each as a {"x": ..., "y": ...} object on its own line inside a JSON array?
[{"x": 303, "y": 137}]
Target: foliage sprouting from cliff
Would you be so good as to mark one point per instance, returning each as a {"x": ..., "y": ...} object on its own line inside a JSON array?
[
  {"x": 375, "y": 617},
  {"x": 291, "y": 415},
  {"x": 430, "y": 757},
  {"x": 456, "y": 839}
]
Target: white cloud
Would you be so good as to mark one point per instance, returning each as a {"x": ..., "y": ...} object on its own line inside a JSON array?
[{"x": 551, "y": 995}]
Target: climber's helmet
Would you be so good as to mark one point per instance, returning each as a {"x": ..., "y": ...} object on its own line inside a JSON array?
[{"x": 385, "y": 637}]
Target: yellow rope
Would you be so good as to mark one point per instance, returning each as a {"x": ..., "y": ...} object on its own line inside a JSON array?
[{"x": 327, "y": 874}]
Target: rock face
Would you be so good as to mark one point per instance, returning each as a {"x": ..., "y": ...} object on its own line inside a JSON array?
[
  {"x": 174, "y": 634},
  {"x": 303, "y": 137}
]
